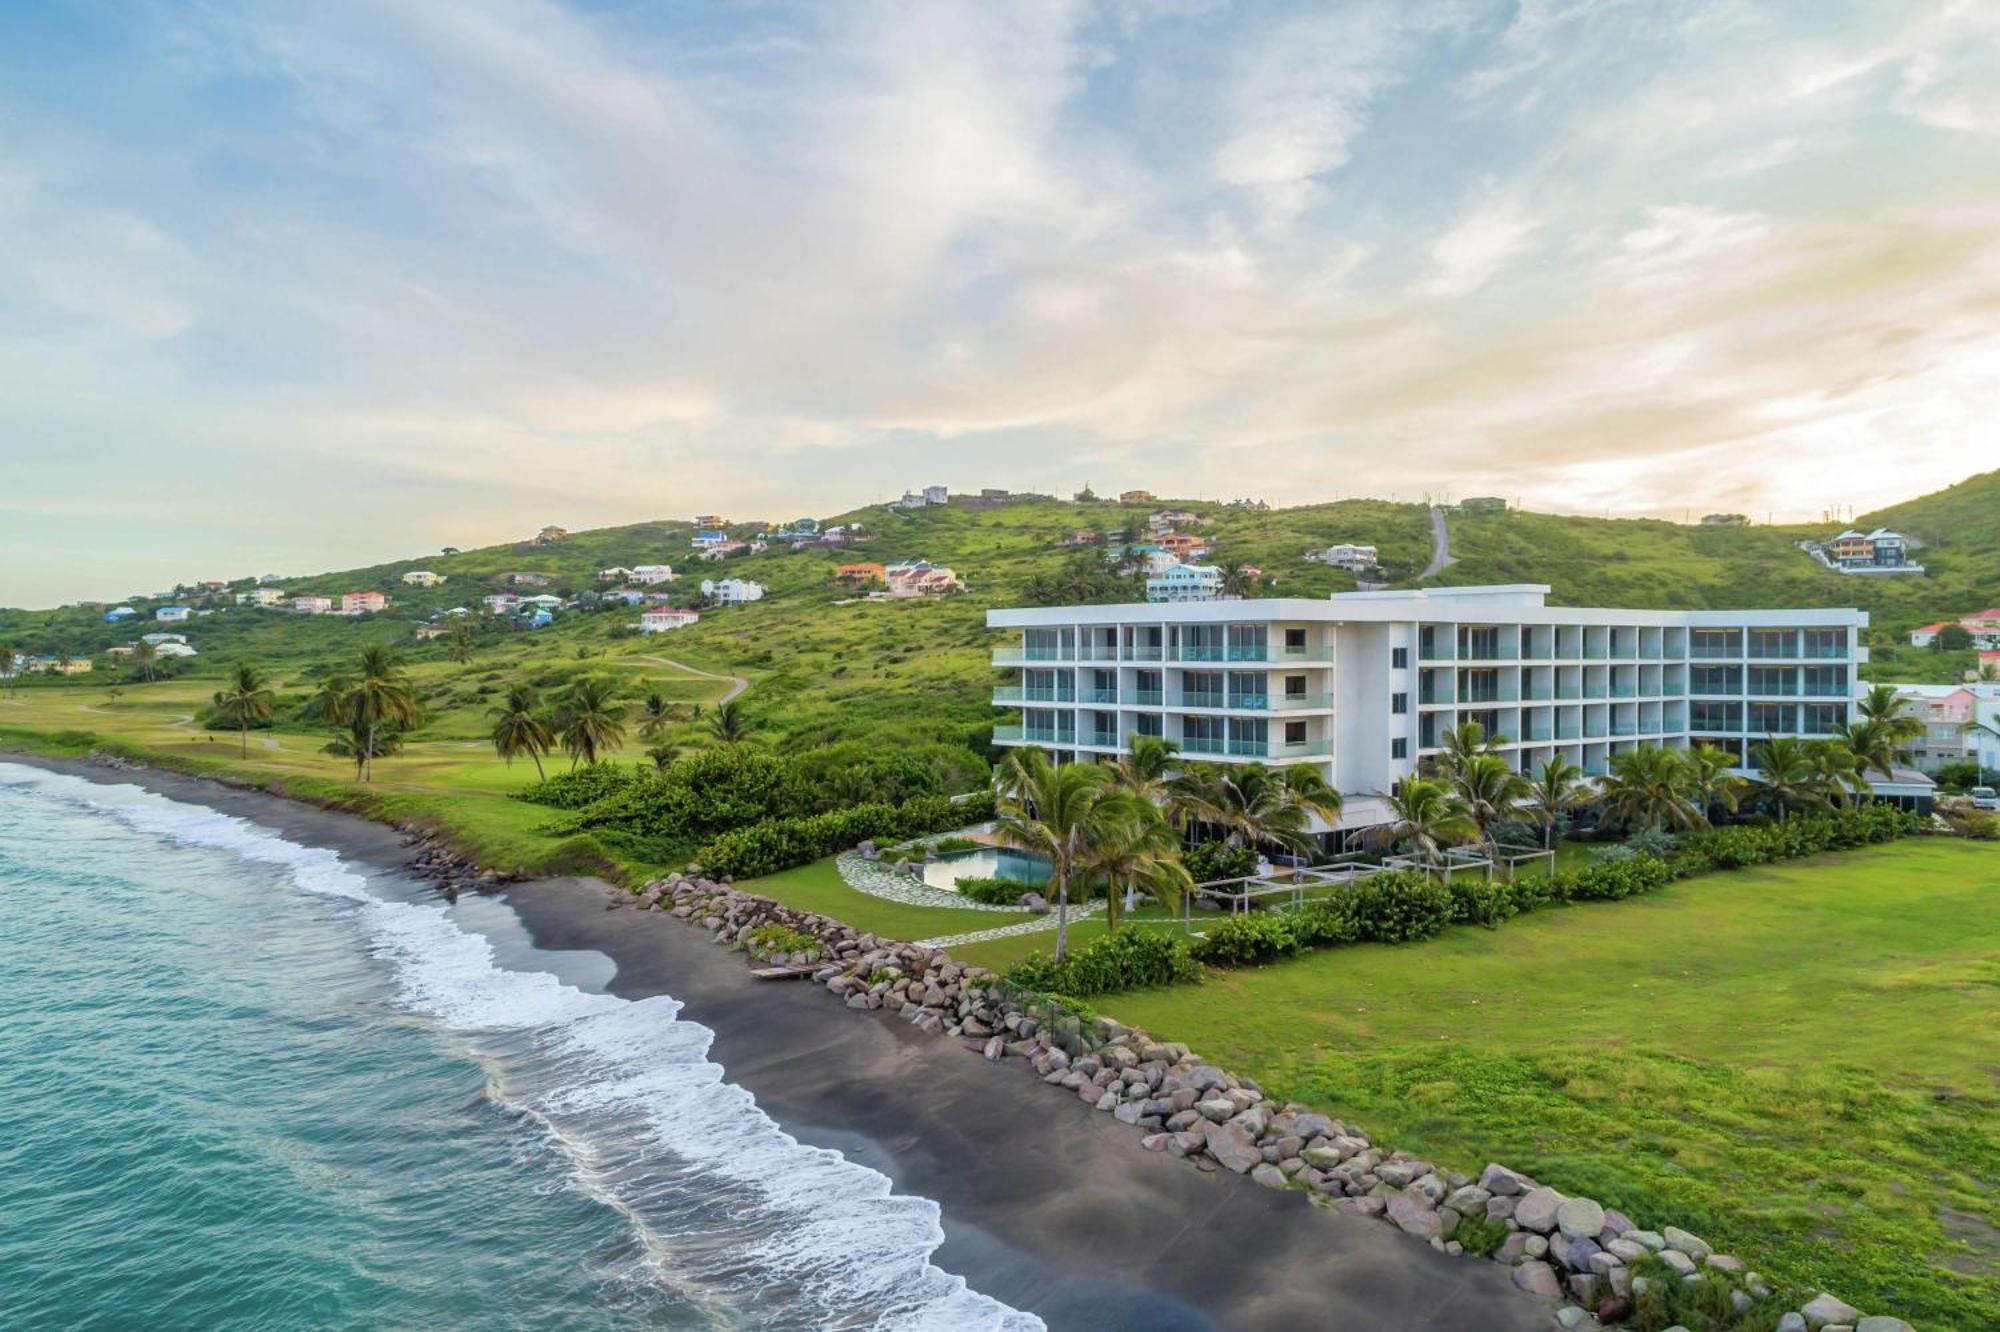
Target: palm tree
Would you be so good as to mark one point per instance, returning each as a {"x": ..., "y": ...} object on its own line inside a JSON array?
[
  {"x": 728, "y": 724},
  {"x": 1066, "y": 814},
  {"x": 1651, "y": 787},
  {"x": 1873, "y": 746},
  {"x": 1313, "y": 792},
  {"x": 1427, "y": 814},
  {"x": 145, "y": 659},
  {"x": 518, "y": 729},
  {"x": 1884, "y": 706},
  {"x": 247, "y": 700},
  {"x": 1238, "y": 581},
  {"x": 1786, "y": 774},
  {"x": 1838, "y": 768},
  {"x": 655, "y": 715},
  {"x": 329, "y": 704},
  {"x": 1251, "y": 804},
  {"x": 663, "y": 754},
  {"x": 1989, "y": 671},
  {"x": 1140, "y": 854},
  {"x": 459, "y": 645},
  {"x": 1490, "y": 789},
  {"x": 1556, "y": 788},
  {"x": 1712, "y": 779},
  {"x": 8, "y": 678},
  {"x": 588, "y": 721},
  {"x": 1146, "y": 769},
  {"x": 384, "y": 697},
  {"x": 1459, "y": 745}
]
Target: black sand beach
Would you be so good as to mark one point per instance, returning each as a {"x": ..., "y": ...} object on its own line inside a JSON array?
[{"x": 1047, "y": 1205}]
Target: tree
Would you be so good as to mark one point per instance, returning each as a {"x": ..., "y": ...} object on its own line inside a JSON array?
[
  {"x": 728, "y": 723},
  {"x": 518, "y": 728},
  {"x": 1140, "y": 854},
  {"x": 663, "y": 754},
  {"x": 383, "y": 699},
  {"x": 1066, "y": 814},
  {"x": 1838, "y": 769},
  {"x": 1556, "y": 788},
  {"x": 245, "y": 702},
  {"x": 145, "y": 660},
  {"x": 1651, "y": 787},
  {"x": 329, "y": 704},
  {"x": 1458, "y": 745},
  {"x": 1787, "y": 774},
  {"x": 1427, "y": 814},
  {"x": 1239, "y": 581},
  {"x": 7, "y": 667},
  {"x": 1712, "y": 779},
  {"x": 63, "y": 661},
  {"x": 459, "y": 643},
  {"x": 1952, "y": 638},
  {"x": 1146, "y": 769},
  {"x": 1490, "y": 790},
  {"x": 1252, "y": 803},
  {"x": 655, "y": 716},
  {"x": 588, "y": 721}
]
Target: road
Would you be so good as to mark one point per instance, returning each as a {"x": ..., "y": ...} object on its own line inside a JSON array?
[
  {"x": 1441, "y": 557},
  {"x": 737, "y": 684}
]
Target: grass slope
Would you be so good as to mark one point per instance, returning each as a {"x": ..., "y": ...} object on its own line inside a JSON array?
[{"x": 1796, "y": 1061}]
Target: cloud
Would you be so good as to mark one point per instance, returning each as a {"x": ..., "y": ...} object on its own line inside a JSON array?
[{"x": 1485, "y": 240}]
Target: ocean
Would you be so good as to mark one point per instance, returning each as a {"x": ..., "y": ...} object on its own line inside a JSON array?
[{"x": 246, "y": 1084}]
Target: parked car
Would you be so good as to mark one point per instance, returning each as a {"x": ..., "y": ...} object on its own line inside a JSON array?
[{"x": 1984, "y": 797}]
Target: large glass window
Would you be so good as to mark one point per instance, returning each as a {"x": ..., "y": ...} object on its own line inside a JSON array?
[
  {"x": 1479, "y": 642},
  {"x": 1050, "y": 644},
  {"x": 1825, "y": 681},
  {"x": 1247, "y": 690},
  {"x": 1774, "y": 643},
  {"x": 1822, "y": 718},
  {"x": 1715, "y": 642},
  {"x": 1202, "y": 689},
  {"x": 1779, "y": 680},
  {"x": 1705, "y": 716},
  {"x": 1715, "y": 680},
  {"x": 1826, "y": 643},
  {"x": 1771, "y": 719},
  {"x": 1247, "y": 642},
  {"x": 1201, "y": 642}
]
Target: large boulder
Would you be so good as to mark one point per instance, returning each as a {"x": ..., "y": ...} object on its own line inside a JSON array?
[
  {"x": 1499, "y": 1179},
  {"x": 1230, "y": 1145},
  {"x": 1823, "y": 1309},
  {"x": 1415, "y": 1216},
  {"x": 1882, "y": 1323},
  {"x": 1538, "y": 1278},
  {"x": 1694, "y": 1246},
  {"x": 1580, "y": 1218},
  {"x": 1537, "y": 1210}
]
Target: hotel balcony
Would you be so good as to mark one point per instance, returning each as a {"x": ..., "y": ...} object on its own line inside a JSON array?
[{"x": 1014, "y": 695}]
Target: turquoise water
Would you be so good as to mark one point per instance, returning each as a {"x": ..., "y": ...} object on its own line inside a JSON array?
[
  {"x": 999, "y": 862},
  {"x": 244, "y": 1086}
]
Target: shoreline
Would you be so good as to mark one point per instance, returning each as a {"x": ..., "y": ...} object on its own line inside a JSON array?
[{"x": 1046, "y": 1205}]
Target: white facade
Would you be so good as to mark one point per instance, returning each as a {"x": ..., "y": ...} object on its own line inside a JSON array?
[
  {"x": 1185, "y": 582},
  {"x": 422, "y": 578},
  {"x": 312, "y": 605},
  {"x": 261, "y": 596},
  {"x": 1961, "y": 724},
  {"x": 1362, "y": 685},
  {"x": 663, "y": 619},
  {"x": 172, "y": 614},
  {"x": 652, "y": 573},
  {"x": 1354, "y": 559},
  {"x": 732, "y": 591}
]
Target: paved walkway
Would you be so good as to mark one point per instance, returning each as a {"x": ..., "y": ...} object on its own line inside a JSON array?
[
  {"x": 1039, "y": 925},
  {"x": 1441, "y": 556},
  {"x": 878, "y": 878}
]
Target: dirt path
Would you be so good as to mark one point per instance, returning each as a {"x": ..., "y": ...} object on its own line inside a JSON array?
[
  {"x": 1441, "y": 556},
  {"x": 737, "y": 684}
]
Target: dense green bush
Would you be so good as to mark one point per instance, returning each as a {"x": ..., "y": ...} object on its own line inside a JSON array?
[
  {"x": 1327, "y": 923},
  {"x": 1208, "y": 862},
  {"x": 776, "y": 844},
  {"x": 1615, "y": 880},
  {"x": 1127, "y": 960},
  {"x": 1475, "y": 901},
  {"x": 1249, "y": 940},
  {"x": 1399, "y": 907},
  {"x": 583, "y": 786},
  {"x": 993, "y": 892}
]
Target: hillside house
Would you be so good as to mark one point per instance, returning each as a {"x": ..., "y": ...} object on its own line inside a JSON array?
[
  {"x": 312, "y": 604},
  {"x": 521, "y": 578},
  {"x": 118, "y": 614},
  {"x": 551, "y": 534},
  {"x": 172, "y": 614},
  {"x": 161, "y": 640},
  {"x": 1081, "y": 536},
  {"x": 1345, "y": 555},
  {"x": 422, "y": 578},
  {"x": 664, "y": 618},
  {"x": 646, "y": 575},
  {"x": 710, "y": 522},
  {"x": 1869, "y": 552},
  {"x": 708, "y": 537},
  {"x": 500, "y": 603},
  {"x": 57, "y": 666},
  {"x": 1182, "y": 545},
  {"x": 266, "y": 598},
  {"x": 1185, "y": 582},
  {"x": 617, "y": 573},
  {"x": 732, "y": 591},
  {"x": 861, "y": 575},
  {"x": 362, "y": 603},
  {"x": 1166, "y": 520},
  {"x": 1156, "y": 561},
  {"x": 1952, "y": 718},
  {"x": 920, "y": 578},
  {"x": 1983, "y": 630},
  {"x": 728, "y": 546}
]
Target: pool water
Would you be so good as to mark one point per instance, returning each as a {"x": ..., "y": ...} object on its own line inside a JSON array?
[{"x": 997, "y": 862}]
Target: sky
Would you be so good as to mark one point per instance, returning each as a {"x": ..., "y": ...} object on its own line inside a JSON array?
[{"x": 292, "y": 287}]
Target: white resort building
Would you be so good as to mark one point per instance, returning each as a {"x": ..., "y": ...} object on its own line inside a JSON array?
[{"x": 1363, "y": 685}]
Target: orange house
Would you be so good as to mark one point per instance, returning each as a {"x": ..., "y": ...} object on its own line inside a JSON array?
[{"x": 860, "y": 575}]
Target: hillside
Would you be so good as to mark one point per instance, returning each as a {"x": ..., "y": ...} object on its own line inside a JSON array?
[{"x": 826, "y": 666}]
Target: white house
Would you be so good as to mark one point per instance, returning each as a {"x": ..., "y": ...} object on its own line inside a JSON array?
[
  {"x": 158, "y": 640},
  {"x": 422, "y": 578},
  {"x": 310, "y": 604},
  {"x": 617, "y": 573},
  {"x": 1348, "y": 556},
  {"x": 662, "y": 618},
  {"x": 499, "y": 603},
  {"x": 732, "y": 591},
  {"x": 265, "y": 597},
  {"x": 647, "y": 574},
  {"x": 1158, "y": 562},
  {"x": 172, "y": 614},
  {"x": 1185, "y": 582},
  {"x": 174, "y": 650},
  {"x": 1364, "y": 685}
]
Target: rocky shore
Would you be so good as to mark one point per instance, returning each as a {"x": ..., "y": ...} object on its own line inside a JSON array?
[{"x": 1594, "y": 1266}]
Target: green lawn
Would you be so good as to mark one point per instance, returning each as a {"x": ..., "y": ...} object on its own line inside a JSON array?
[
  {"x": 819, "y": 887},
  {"x": 1802, "y": 1061}
]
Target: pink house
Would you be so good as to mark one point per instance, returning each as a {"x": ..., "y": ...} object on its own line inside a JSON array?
[{"x": 362, "y": 603}]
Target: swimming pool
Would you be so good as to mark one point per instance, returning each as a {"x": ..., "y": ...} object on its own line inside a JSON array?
[{"x": 996, "y": 862}]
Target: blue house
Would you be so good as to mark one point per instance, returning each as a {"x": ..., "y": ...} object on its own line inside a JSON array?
[{"x": 117, "y": 613}]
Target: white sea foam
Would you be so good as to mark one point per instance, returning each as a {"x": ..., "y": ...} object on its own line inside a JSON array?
[{"x": 720, "y": 1195}]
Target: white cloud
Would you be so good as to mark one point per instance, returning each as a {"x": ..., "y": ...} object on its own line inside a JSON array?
[{"x": 1464, "y": 259}]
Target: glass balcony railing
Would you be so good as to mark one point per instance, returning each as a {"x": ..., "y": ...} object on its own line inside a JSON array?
[
  {"x": 1430, "y": 697},
  {"x": 1624, "y": 728},
  {"x": 1824, "y": 691},
  {"x": 1304, "y": 654},
  {"x": 1301, "y": 702},
  {"x": 1538, "y": 693},
  {"x": 1534, "y": 733},
  {"x": 1048, "y": 735},
  {"x": 1202, "y": 698},
  {"x": 1250, "y": 748},
  {"x": 1204, "y": 745},
  {"x": 1001, "y": 733},
  {"x": 1148, "y": 698},
  {"x": 1101, "y": 739},
  {"x": 1201, "y": 652},
  {"x": 1624, "y": 691},
  {"x": 1145, "y": 652},
  {"x": 1596, "y": 731},
  {"x": 1297, "y": 748},
  {"x": 1100, "y": 695},
  {"x": 1097, "y": 652},
  {"x": 1249, "y": 652},
  {"x": 1015, "y": 656},
  {"x": 1251, "y": 702},
  {"x": 1568, "y": 732},
  {"x": 1568, "y": 691},
  {"x": 1022, "y": 694}
]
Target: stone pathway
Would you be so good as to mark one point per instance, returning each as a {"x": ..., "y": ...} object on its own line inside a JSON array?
[
  {"x": 1039, "y": 925},
  {"x": 879, "y": 879}
]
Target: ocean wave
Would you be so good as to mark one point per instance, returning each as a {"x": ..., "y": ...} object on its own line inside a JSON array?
[{"x": 721, "y": 1198}]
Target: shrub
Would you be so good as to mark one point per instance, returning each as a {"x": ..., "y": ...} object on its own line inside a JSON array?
[
  {"x": 1327, "y": 923},
  {"x": 947, "y": 846},
  {"x": 1480, "y": 902},
  {"x": 1614, "y": 880},
  {"x": 1249, "y": 940},
  {"x": 1657, "y": 842},
  {"x": 1480, "y": 1235},
  {"x": 1210, "y": 861},
  {"x": 776, "y": 844},
  {"x": 1399, "y": 907},
  {"x": 993, "y": 892},
  {"x": 776, "y": 938},
  {"x": 1127, "y": 960},
  {"x": 581, "y": 786}
]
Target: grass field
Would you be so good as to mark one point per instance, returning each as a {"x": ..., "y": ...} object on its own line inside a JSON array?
[
  {"x": 1801, "y": 1061},
  {"x": 819, "y": 887}
]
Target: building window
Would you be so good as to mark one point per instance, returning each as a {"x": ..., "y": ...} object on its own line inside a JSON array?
[
  {"x": 1399, "y": 658},
  {"x": 1399, "y": 748},
  {"x": 1399, "y": 703},
  {"x": 1295, "y": 640},
  {"x": 1148, "y": 723},
  {"x": 1295, "y": 686},
  {"x": 1295, "y": 733}
]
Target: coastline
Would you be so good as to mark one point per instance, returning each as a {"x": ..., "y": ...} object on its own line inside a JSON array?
[{"x": 1047, "y": 1206}]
